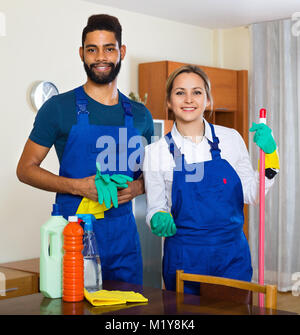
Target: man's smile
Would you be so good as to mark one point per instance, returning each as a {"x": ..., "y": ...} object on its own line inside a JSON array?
[{"x": 101, "y": 67}]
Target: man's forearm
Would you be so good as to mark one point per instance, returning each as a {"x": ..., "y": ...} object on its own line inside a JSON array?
[
  {"x": 140, "y": 186},
  {"x": 45, "y": 180}
]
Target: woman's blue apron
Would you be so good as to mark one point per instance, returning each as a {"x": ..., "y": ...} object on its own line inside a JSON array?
[
  {"x": 209, "y": 217},
  {"x": 116, "y": 234}
]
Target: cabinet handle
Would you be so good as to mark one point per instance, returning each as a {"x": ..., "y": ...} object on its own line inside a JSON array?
[
  {"x": 3, "y": 292},
  {"x": 221, "y": 109}
]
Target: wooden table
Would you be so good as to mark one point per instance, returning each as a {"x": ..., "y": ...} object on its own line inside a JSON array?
[{"x": 161, "y": 302}]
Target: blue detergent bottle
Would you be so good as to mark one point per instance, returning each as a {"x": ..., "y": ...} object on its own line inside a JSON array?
[
  {"x": 91, "y": 258},
  {"x": 51, "y": 254}
]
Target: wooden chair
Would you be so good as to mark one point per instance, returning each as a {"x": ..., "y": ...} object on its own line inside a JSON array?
[{"x": 270, "y": 291}]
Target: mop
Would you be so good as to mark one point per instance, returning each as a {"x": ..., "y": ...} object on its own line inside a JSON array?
[{"x": 261, "y": 253}]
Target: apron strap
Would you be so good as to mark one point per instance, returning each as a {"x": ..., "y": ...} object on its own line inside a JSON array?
[
  {"x": 81, "y": 100},
  {"x": 126, "y": 104},
  {"x": 214, "y": 147},
  {"x": 81, "y": 105},
  {"x": 177, "y": 155}
]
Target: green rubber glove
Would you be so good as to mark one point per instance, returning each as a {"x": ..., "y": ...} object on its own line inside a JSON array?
[
  {"x": 120, "y": 180},
  {"x": 162, "y": 224},
  {"x": 263, "y": 137},
  {"x": 106, "y": 188}
]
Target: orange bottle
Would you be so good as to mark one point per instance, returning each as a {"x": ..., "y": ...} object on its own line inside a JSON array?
[{"x": 73, "y": 274}]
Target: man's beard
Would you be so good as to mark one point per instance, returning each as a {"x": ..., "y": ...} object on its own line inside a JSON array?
[{"x": 101, "y": 78}]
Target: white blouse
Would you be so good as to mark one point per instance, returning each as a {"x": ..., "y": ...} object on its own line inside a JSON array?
[{"x": 159, "y": 163}]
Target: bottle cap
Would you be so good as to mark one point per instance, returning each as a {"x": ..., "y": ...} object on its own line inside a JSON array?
[
  {"x": 56, "y": 210},
  {"x": 88, "y": 221},
  {"x": 73, "y": 219}
]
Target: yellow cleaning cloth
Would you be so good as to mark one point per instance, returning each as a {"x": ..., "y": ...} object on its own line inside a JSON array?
[
  {"x": 106, "y": 298},
  {"x": 88, "y": 206},
  {"x": 271, "y": 161}
]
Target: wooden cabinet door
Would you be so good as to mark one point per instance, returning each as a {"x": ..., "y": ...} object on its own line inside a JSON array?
[
  {"x": 224, "y": 88},
  {"x": 152, "y": 80},
  {"x": 172, "y": 66}
]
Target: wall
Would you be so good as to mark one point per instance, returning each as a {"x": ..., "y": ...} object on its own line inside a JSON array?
[
  {"x": 41, "y": 43},
  {"x": 232, "y": 48}
]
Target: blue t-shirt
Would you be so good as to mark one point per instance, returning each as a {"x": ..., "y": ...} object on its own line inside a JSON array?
[{"x": 56, "y": 117}]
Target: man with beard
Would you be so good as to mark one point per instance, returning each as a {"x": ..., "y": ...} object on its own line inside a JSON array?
[{"x": 83, "y": 125}]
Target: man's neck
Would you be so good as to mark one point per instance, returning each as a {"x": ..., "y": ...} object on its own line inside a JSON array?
[{"x": 106, "y": 94}]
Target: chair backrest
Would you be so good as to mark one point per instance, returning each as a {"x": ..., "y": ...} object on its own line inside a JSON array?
[
  {"x": 227, "y": 293},
  {"x": 270, "y": 291}
]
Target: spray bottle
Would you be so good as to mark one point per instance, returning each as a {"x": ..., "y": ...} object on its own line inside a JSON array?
[{"x": 92, "y": 264}]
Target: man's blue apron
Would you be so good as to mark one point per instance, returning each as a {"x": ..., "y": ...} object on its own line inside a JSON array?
[
  {"x": 116, "y": 234},
  {"x": 209, "y": 218}
]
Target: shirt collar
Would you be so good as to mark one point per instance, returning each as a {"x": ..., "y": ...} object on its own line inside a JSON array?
[
  {"x": 179, "y": 139},
  {"x": 208, "y": 133}
]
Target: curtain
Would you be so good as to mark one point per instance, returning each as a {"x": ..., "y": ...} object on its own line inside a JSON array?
[{"x": 275, "y": 85}]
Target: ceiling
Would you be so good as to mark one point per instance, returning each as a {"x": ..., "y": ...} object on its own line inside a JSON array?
[{"x": 213, "y": 14}]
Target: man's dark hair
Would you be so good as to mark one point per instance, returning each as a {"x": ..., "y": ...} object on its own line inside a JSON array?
[{"x": 103, "y": 22}]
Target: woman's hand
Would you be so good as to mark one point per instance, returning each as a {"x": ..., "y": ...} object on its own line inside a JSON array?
[
  {"x": 162, "y": 224},
  {"x": 263, "y": 137}
]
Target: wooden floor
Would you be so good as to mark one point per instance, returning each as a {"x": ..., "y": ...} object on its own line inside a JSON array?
[{"x": 286, "y": 302}]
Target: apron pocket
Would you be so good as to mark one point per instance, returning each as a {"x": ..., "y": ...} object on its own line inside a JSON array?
[{"x": 212, "y": 191}]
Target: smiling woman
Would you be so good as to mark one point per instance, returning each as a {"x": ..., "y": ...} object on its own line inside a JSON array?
[
  {"x": 188, "y": 95},
  {"x": 196, "y": 197}
]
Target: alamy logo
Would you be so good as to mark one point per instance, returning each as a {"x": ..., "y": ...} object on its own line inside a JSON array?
[
  {"x": 127, "y": 153},
  {"x": 296, "y": 26},
  {"x": 296, "y": 285}
]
